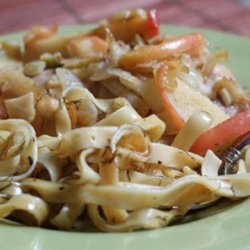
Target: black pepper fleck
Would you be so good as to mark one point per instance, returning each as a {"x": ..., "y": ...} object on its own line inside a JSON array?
[{"x": 30, "y": 160}]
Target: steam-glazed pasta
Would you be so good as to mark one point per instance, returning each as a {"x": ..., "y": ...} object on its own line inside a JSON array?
[{"x": 118, "y": 127}]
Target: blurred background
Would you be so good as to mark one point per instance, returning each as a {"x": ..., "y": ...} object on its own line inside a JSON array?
[{"x": 225, "y": 15}]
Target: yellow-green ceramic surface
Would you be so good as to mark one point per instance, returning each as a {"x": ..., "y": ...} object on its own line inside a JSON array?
[{"x": 229, "y": 229}]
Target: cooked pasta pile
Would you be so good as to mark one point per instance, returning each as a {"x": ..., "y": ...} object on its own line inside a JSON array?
[{"x": 119, "y": 126}]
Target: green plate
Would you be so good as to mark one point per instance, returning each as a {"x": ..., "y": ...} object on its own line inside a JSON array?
[{"x": 229, "y": 229}]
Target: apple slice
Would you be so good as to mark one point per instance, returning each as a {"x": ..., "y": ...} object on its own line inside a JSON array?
[
  {"x": 181, "y": 101},
  {"x": 125, "y": 30},
  {"x": 87, "y": 46},
  {"x": 136, "y": 60}
]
